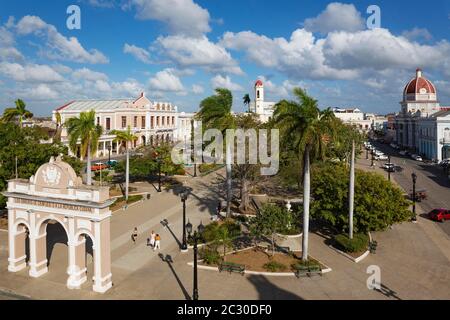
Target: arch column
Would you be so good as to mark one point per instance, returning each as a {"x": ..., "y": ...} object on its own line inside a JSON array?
[
  {"x": 17, "y": 259},
  {"x": 38, "y": 255},
  {"x": 102, "y": 257},
  {"x": 77, "y": 264}
]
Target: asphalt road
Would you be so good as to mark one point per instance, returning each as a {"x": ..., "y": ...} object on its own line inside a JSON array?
[{"x": 430, "y": 177}]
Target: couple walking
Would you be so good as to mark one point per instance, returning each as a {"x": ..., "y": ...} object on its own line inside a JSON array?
[{"x": 154, "y": 241}]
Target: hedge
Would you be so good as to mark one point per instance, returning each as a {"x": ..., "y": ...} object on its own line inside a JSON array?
[{"x": 359, "y": 243}]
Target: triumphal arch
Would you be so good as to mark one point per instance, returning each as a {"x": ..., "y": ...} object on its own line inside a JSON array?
[{"x": 55, "y": 194}]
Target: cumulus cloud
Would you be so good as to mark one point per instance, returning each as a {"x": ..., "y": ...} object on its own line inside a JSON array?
[
  {"x": 7, "y": 46},
  {"x": 336, "y": 17},
  {"x": 58, "y": 46},
  {"x": 166, "y": 81},
  {"x": 220, "y": 81},
  {"x": 89, "y": 75},
  {"x": 139, "y": 53},
  {"x": 198, "y": 52},
  {"x": 181, "y": 16},
  {"x": 340, "y": 55},
  {"x": 197, "y": 89},
  {"x": 418, "y": 34},
  {"x": 29, "y": 72},
  {"x": 101, "y": 3}
]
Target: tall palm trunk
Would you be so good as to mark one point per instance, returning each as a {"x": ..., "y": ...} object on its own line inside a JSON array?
[
  {"x": 306, "y": 195},
  {"x": 351, "y": 198},
  {"x": 89, "y": 167},
  {"x": 228, "y": 162},
  {"x": 127, "y": 173}
]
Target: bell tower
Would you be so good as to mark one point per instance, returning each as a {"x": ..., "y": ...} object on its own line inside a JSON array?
[{"x": 259, "y": 97}]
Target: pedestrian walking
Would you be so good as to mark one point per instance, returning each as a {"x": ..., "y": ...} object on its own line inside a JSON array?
[
  {"x": 152, "y": 239},
  {"x": 157, "y": 242},
  {"x": 134, "y": 235}
]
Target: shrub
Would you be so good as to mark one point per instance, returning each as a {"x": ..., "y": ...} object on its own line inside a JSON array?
[
  {"x": 302, "y": 264},
  {"x": 274, "y": 266},
  {"x": 210, "y": 256},
  {"x": 359, "y": 242}
]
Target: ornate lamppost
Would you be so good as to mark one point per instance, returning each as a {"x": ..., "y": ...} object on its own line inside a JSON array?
[
  {"x": 196, "y": 236},
  {"x": 184, "y": 197},
  {"x": 414, "y": 180}
]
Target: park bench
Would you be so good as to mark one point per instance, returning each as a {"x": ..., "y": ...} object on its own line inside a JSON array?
[
  {"x": 308, "y": 271},
  {"x": 232, "y": 267}
]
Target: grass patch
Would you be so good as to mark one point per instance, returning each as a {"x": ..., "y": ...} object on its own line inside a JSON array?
[
  {"x": 274, "y": 266},
  {"x": 120, "y": 202}
]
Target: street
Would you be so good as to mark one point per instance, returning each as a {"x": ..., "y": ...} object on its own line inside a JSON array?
[{"x": 429, "y": 177}]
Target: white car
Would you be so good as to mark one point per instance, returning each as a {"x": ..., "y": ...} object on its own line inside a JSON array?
[
  {"x": 417, "y": 157},
  {"x": 379, "y": 153},
  {"x": 388, "y": 165},
  {"x": 381, "y": 157},
  {"x": 402, "y": 153}
]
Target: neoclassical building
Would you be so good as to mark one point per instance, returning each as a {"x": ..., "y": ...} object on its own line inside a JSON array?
[
  {"x": 153, "y": 122},
  {"x": 56, "y": 195},
  {"x": 422, "y": 125}
]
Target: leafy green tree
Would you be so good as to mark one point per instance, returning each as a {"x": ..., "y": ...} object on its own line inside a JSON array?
[
  {"x": 126, "y": 137},
  {"x": 378, "y": 203},
  {"x": 84, "y": 129},
  {"x": 25, "y": 145},
  {"x": 272, "y": 220},
  {"x": 20, "y": 112},
  {"x": 215, "y": 113},
  {"x": 310, "y": 131}
]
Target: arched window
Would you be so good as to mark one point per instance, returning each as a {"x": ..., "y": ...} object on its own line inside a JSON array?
[{"x": 257, "y": 94}]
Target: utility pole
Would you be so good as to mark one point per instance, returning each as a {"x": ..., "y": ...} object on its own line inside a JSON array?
[{"x": 351, "y": 197}]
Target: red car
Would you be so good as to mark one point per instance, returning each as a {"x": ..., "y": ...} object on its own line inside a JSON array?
[
  {"x": 99, "y": 166},
  {"x": 439, "y": 215}
]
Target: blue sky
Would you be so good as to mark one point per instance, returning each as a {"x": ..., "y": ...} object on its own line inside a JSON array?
[{"x": 180, "y": 50}]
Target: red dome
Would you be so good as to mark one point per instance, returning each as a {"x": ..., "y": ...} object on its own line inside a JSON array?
[
  {"x": 258, "y": 83},
  {"x": 416, "y": 85}
]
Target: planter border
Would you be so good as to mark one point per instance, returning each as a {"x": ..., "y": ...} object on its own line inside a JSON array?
[
  {"x": 327, "y": 269},
  {"x": 294, "y": 236},
  {"x": 355, "y": 260}
]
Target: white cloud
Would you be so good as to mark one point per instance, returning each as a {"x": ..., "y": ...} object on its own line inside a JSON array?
[
  {"x": 58, "y": 46},
  {"x": 41, "y": 92},
  {"x": 102, "y": 3},
  {"x": 197, "y": 89},
  {"x": 29, "y": 72},
  {"x": 89, "y": 75},
  {"x": 198, "y": 52},
  {"x": 336, "y": 17},
  {"x": 181, "y": 16},
  {"x": 7, "y": 42},
  {"x": 417, "y": 34},
  {"x": 220, "y": 81},
  {"x": 340, "y": 55},
  {"x": 166, "y": 81},
  {"x": 139, "y": 53}
]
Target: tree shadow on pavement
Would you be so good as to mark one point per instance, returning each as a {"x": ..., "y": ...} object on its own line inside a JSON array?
[
  {"x": 169, "y": 261},
  {"x": 269, "y": 291}
]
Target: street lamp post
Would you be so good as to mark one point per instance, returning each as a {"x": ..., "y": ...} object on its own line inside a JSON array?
[
  {"x": 389, "y": 168},
  {"x": 414, "y": 179},
  {"x": 196, "y": 236},
  {"x": 158, "y": 160},
  {"x": 367, "y": 154},
  {"x": 373, "y": 159},
  {"x": 109, "y": 154},
  {"x": 184, "y": 197}
]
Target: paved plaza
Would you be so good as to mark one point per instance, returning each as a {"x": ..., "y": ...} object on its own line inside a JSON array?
[{"x": 414, "y": 260}]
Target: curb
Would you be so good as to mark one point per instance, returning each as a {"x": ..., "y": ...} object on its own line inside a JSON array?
[
  {"x": 295, "y": 236},
  {"x": 356, "y": 260}
]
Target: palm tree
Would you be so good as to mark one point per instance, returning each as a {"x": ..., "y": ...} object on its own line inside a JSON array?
[
  {"x": 57, "y": 136},
  {"x": 125, "y": 137},
  {"x": 215, "y": 113},
  {"x": 309, "y": 129},
  {"x": 84, "y": 129},
  {"x": 247, "y": 101},
  {"x": 19, "y": 112}
]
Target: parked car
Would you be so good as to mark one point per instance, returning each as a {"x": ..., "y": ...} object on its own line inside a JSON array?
[
  {"x": 99, "y": 166},
  {"x": 444, "y": 163},
  {"x": 402, "y": 153},
  {"x": 112, "y": 163},
  {"x": 383, "y": 157},
  {"x": 439, "y": 215},
  {"x": 388, "y": 165},
  {"x": 416, "y": 157}
]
